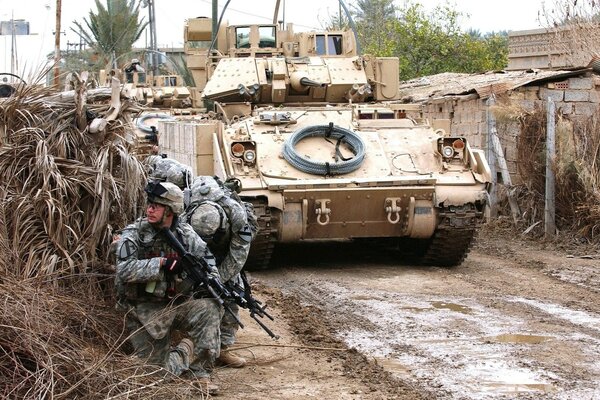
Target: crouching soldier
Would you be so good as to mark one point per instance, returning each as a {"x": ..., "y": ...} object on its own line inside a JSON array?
[
  {"x": 158, "y": 298},
  {"x": 222, "y": 222}
]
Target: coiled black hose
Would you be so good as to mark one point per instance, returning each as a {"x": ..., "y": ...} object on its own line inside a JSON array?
[
  {"x": 140, "y": 122},
  {"x": 342, "y": 135}
]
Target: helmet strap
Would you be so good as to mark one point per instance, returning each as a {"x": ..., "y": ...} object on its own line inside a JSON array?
[{"x": 164, "y": 217}]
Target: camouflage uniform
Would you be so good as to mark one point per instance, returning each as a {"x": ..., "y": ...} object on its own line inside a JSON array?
[
  {"x": 169, "y": 170},
  {"x": 222, "y": 222},
  {"x": 157, "y": 304}
]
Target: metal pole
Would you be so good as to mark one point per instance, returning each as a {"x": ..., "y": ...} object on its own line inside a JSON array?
[
  {"x": 215, "y": 22},
  {"x": 153, "y": 40},
  {"x": 491, "y": 156},
  {"x": 550, "y": 205},
  {"x": 57, "y": 44}
]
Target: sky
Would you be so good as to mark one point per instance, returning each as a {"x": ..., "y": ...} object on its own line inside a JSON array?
[{"x": 482, "y": 15}]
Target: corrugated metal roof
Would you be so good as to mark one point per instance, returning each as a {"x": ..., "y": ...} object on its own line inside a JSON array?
[{"x": 449, "y": 84}]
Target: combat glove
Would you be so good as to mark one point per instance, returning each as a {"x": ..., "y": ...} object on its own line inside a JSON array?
[{"x": 173, "y": 266}]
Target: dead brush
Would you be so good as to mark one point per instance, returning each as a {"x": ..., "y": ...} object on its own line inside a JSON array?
[
  {"x": 577, "y": 171},
  {"x": 58, "y": 343},
  {"x": 63, "y": 193}
]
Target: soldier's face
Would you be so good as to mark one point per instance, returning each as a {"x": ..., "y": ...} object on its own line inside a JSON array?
[{"x": 155, "y": 212}]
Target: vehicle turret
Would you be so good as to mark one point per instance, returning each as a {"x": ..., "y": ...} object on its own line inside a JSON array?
[{"x": 278, "y": 80}]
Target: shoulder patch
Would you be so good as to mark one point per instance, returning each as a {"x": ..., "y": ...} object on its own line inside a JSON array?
[
  {"x": 126, "y": 249},
  {"x": 246, "y": 233}
]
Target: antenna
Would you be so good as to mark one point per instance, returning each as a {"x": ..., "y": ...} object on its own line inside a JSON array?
[{"x": 352, "y": 25}]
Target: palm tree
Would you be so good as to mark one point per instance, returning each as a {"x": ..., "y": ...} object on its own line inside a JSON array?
[{"x": 112, "y": 31}]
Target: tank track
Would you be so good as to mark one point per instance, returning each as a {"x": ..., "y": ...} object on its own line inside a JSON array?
[
  {"x": 263, "y": 244},
  {"x": 448, "y": 247}
]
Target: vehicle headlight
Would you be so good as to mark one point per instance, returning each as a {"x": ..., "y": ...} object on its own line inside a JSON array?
[
  {"x": 448, "y": 151},
  {"x": 249, "y": 156},
  {"x": 237, "y": 149}
]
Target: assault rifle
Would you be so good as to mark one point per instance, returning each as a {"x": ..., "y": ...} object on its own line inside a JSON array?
[
  {"x": 242, "y": 295},
  {"x": 197, "y": 270}
]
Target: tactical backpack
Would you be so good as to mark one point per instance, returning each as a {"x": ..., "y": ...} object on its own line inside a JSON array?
[{"x": 218, "y": 194}]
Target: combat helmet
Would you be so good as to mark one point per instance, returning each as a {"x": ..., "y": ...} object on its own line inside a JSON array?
[
  {"x": 169, "y": 170},
  {"x": 206, "y": 188},
  {"x": 207, "y": 218},
  {"x": 165, "y": 193}
]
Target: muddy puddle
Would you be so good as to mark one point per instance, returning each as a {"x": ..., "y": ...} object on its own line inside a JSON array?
[
  {"x": 516, "y": 338},
  {"x": 499, "y": 326},
  {"x": 454, "y": 344}
]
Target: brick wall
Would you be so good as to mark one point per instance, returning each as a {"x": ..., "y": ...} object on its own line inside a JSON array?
[{"x": 577, "y": 97}]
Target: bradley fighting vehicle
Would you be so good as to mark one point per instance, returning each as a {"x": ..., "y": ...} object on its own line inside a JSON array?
[{"x": 322, "y": 147}]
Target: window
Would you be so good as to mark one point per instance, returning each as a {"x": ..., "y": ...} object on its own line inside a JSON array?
[
  {"x": 242, "y": 38},
  {"x": 330, "y": 45},
  {"x": 170, "y": 81},
  {"x": 334, "y": 45},
  {"x": 320, "y": 44},
  {"x": 266, "y": 36},
  {"x": 198, "y": 44}
]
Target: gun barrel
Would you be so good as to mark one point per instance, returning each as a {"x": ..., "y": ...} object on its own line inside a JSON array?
[
  {"x": 304, "y": 81},
  {"x": 178, "y": 247},
  {"x": 264, "y": 327}
]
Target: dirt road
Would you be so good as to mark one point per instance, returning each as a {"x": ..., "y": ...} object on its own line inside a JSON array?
[{"x": 517, "y": 319}]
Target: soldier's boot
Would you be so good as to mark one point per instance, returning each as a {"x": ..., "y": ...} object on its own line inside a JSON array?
[
  {"x": 186, "y": 346},
  {"x": 228, "y": 359},
  {"x": 207, "y": 386}
]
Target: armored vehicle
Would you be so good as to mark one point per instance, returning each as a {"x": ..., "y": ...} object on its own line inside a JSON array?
[{"x": 321, "y": 145}]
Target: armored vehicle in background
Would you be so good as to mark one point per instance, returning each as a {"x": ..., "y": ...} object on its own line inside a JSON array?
[{"x": 322, "y": 147}]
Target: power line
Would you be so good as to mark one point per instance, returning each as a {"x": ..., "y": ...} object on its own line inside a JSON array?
[{"x": 260, "y": 16}]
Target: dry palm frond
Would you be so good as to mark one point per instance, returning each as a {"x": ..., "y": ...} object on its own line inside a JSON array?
[{"x": 64, "y": 191}]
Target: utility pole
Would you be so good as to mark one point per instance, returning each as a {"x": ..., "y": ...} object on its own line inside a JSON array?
[
  {"x": 153, "y": 41},
  {"x": 57, "y": 44},
  {"x": 215, "y": 19},
  {"x": 13, "y": 47}
]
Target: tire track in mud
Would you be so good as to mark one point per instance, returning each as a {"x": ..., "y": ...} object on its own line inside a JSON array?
[
  {"x": 313, "y": 326},
  {"x": 551, "y": 294},
  {"x": 455, "y": 328}
]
